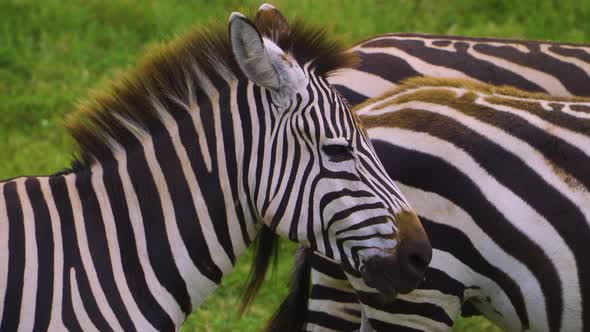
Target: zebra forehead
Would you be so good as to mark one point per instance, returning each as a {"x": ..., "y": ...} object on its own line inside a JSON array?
[{"x": 191, "y": 64}]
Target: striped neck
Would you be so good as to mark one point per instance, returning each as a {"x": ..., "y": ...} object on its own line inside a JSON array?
[
  {"x": 181, "y": 186},
  {"x": 149, "y": 230}
]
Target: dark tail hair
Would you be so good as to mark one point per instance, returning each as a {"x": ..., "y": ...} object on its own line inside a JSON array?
[
  {"x": 265, "y": 251},
  {"x": 292, "y": 313}
]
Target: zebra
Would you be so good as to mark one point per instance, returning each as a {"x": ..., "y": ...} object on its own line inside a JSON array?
[
  {"x": 557, "y": 68},
  {"x": 561, "y": 69},
  {"x": 181, "y": 163}
]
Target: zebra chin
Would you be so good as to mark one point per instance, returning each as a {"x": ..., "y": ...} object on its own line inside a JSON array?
[{"x": 402, "y": 270}]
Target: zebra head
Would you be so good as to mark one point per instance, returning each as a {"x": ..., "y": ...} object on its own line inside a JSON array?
[{"x": 317, "y": 179}]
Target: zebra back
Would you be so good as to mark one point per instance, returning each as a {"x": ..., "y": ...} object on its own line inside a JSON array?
[
  {"x": 560, "y": 69},
  {"x": 513, "y": 212},
  {"x": 556, "y": 68}
]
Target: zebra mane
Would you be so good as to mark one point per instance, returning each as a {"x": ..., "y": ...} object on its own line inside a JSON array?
[
  {"x": 419, "y": 82},
  {"x": 193, "y": 63}
]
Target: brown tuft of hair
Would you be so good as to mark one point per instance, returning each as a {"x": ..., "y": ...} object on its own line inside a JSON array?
[
  {"x": 100, "y": 123},
  {"x": 292, "y": 313},
  {"x": 266, "y": 252},
  {"x": 469, "y": 84},
  {"x": 310, "y": 43}
]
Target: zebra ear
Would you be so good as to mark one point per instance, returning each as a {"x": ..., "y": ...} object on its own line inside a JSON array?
[
  {"x": 250, "y": 52},
  {"x": 271, "y": 22}
]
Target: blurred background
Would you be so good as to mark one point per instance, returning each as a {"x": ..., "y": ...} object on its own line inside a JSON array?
[{"x": 52, "y": 53}]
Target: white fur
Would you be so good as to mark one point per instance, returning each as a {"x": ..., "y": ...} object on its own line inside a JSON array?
[
  {"x": 265, "y": 63},
  {"x": 87, "y": 262},
  {"x": 251, "y": 54}
]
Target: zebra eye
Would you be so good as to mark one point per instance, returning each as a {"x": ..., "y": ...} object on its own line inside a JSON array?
[{"x": 338, "y": 152}]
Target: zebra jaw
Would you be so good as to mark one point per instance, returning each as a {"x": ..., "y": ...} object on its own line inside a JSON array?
[{"x": 402, "y": 269}]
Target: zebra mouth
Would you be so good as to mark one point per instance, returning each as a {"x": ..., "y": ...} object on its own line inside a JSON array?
[
  {"x": 376, "y": 275},
  {"x": 402, "y": 270},
  {"x": 386, "y": 275}
]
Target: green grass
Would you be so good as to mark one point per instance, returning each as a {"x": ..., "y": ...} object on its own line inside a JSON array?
[{"x": 53, "y": 52}]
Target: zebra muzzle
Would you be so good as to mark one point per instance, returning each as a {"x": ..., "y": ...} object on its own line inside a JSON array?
[{"x": 403, "y": 270}]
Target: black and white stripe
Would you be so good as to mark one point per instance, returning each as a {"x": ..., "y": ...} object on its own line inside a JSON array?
[
  {"x": 181, "y": 164},
  {"x": 560, "y": 69},
  {"x": 536, "y": 272}
]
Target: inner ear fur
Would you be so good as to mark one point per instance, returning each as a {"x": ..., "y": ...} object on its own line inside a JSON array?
[{"x": 250, "y": 52}]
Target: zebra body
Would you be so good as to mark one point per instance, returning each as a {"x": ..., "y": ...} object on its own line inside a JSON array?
[
  {"x": 181, "y": 163},
  {"x": 558, "y": 69},
  {"x": 514, "y": 230}
]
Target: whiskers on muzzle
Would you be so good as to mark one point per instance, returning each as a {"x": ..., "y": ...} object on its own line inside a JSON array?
[{"x": 402, "y": 268}]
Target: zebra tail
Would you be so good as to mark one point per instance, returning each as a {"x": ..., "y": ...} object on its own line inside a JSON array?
[
  {"x": 292, "y": 313},
  {"x": 266, "y": 252}
]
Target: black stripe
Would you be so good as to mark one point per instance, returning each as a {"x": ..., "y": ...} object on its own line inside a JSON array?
[
  {"x": 291, "y": 192},
  {"x": 340, "y": 242},
  {"x": 351, "y": 96},
  {"x": 382, "y": 326},
  {"x": 320, "y": 292},
  {"x": 229, "y": 142},
  {"x": 375, "y": 177},
  {"x": 372, "y": 221},
  {"x": 305, "y": 145},
  {"x": 327, "y": 267},
  {"x": 574, "y": 53},
  {"x": 458, "y": 244},
  {"x": 343, "y": 214},
  {"x": 286, "y": 131},
  {"x": 435, "y": 175},
  {"x": 576, "y": 80},
  {"x": 184, "y": 209},
  {"x": 271, "y": 174},
  {"x": 247, "y": 134},
  {"x": 459, "y": 60},
  {"x": 533, "y": 189},
  {"x": 331, "y": 322},
  {"x": 386, "y": 66},
  {"x": 159, "y": 250},
  {"x": 45, "y": 247},
  {"x": 327, "y": 99},
  {"x": 134, "y": 274},
  {"x": 400, "y": 306},
  {"x": 559, "y": 152},
  {"x": 313, "y": 182},
  {"x": 72, "y": 260},
  {"x": 99, "y": 248},
  {"x": 476, "y": 39},
  {"x": 261, "y": 150},
  {"x": 324, "y": 201},
  {"x": 435, "y": 279},
  {"x": 16, "y": 259},
  {"x": 209, "y": 184}
]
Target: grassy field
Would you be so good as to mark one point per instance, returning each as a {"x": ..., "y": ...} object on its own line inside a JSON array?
[{"x": 53, "y": 52}]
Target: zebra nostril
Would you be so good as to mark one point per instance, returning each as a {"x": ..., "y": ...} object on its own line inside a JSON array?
[
  {"x": 414, "y": 258},
  {"x": 418, "y": 262},
  {"x": 415, "y": 249}
]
